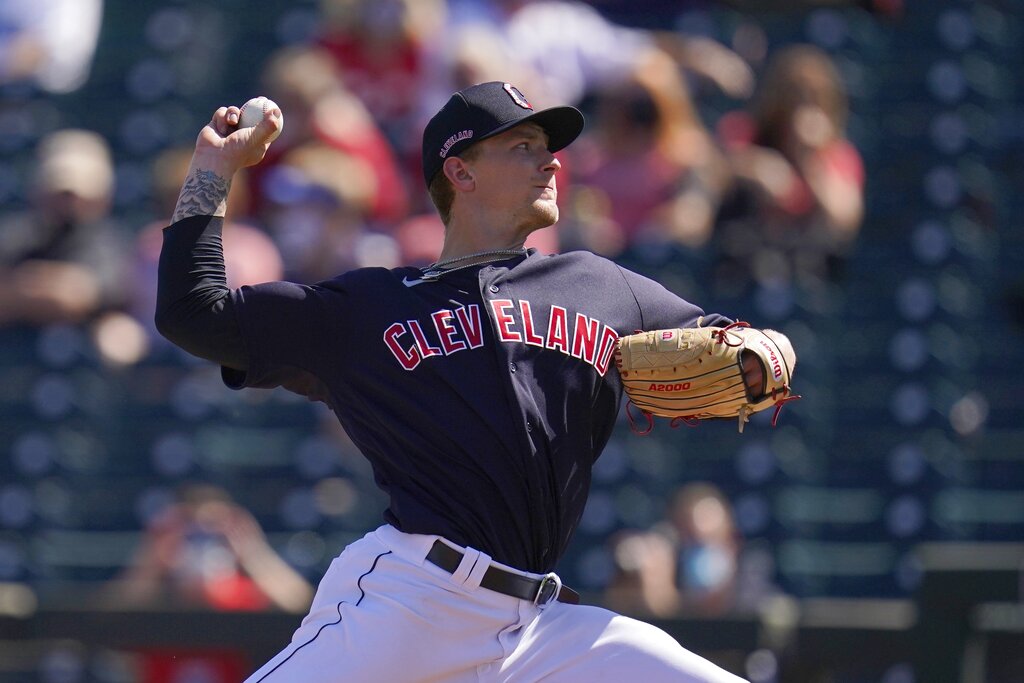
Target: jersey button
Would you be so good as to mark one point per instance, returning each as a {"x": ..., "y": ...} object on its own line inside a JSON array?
[
  {"x": 512, "y": 367},
  {"x": 493, "y": 289},
  {"x": 529, "y": 426}
]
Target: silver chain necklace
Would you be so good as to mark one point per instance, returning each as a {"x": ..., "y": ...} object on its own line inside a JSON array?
[{"x": 437, "y": 268}]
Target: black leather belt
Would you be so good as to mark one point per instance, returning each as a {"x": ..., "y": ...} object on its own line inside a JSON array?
[{"x": 538, "y": 591}]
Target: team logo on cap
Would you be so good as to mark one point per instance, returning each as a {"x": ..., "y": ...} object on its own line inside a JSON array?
[
  {"x": 447, "y": 146},
  {"x": 517, "y": 96}
]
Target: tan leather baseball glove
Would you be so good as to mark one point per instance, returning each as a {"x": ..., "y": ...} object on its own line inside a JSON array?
[{"x": 696, "y": 373}]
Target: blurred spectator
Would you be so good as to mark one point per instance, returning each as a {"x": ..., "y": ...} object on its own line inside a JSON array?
[
  {"x": 48, "y": 43},
  {"x": 572, "y": 48},
  {"x": 250, "y": 255},
  {"x": 478, "y": 53},
  {"x": 207, "y": 551},
  {"x": 701, "y": 528},
  {"x": 63, "y": 259},
  {"x": 330, "y": 190},
  {"x": 564, "y": 51},
  {"x": 687, "y": 563},
  {"x": 798, "y": 199},
  {"x": 355, "y": 160},
  {"x": 644, "y": 583},
  {"x": 567, "y": 46},
  {"x": 652, "y": 157},
  {"x": 386, "y": 53}
]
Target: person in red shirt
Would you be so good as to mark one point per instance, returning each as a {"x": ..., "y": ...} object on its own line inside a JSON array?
[
  {"x": 205, "y": 550},
  {"x": 797, "y": 200}
]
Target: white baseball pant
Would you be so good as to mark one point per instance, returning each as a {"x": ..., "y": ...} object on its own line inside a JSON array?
[{"x": 383, "y": 614}]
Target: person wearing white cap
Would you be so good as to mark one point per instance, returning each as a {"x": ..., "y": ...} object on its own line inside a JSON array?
[{"x": 63, "y": 258}]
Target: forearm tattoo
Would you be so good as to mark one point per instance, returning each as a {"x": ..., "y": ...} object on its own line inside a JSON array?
[{"x": 204, "y": 193}]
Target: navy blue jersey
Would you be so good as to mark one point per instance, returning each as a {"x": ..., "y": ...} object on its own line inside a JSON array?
[{"x": 481, "y": 399}]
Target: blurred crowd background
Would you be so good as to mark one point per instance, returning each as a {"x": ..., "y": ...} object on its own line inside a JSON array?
[{"x": 847, "y": 172}]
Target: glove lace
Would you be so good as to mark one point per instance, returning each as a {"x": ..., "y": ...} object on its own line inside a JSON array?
[
  {"x": 722, "y": 334},
  {"x": 786, "y": 398},
  {"x": 632, "y": 420},
  {"x": 688, "y": 420}
]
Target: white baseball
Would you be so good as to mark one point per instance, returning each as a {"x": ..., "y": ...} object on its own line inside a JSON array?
[{"x": 252, "y": 113}]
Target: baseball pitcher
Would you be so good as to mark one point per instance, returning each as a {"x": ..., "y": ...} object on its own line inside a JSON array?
[{"x": 481, "y": 389}]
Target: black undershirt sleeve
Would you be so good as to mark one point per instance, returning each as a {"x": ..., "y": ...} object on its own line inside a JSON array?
[{"x": 193, "y": 309}]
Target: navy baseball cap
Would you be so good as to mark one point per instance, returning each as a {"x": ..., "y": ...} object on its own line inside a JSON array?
[{"x": 482, "y": 111}]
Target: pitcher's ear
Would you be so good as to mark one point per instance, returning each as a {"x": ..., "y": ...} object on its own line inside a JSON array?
[{"x": 458, "y": 172}]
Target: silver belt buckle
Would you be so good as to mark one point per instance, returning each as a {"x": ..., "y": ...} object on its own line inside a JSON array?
[{"x": 548, "y": 590}]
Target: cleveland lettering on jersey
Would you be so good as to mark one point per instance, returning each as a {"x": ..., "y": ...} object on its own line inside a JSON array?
[
  {"x": 516, "y": 322},
  {"x": 454, "y": 331}
]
